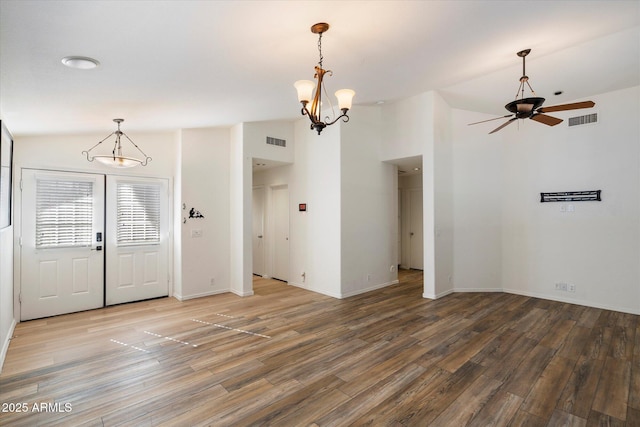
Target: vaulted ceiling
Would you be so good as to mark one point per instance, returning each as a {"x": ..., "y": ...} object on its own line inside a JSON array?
[{"x": 166, "y": 65}]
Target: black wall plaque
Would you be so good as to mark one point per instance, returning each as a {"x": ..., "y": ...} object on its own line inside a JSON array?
[{"x": 571, "y": 196}]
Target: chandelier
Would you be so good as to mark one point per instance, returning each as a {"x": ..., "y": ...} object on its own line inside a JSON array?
[
  {"x": 116, "y": 159},
  {"x": 306, "y": 88}
]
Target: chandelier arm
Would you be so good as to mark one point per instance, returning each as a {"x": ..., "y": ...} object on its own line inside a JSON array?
[
  {"x": 86, "y": 152},
  {"x": 324, "y": 88},
  {"x": 342, "y": 116},
  {"x": 146, "y": 158}
]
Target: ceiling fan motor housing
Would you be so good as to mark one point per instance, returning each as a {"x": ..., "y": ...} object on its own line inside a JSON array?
[{"x": 525, "y": 107}]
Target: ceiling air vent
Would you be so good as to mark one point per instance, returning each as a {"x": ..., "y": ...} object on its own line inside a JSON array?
[
  {"x": 276, "y": 141},
  {"x": 583, "y": 120}
]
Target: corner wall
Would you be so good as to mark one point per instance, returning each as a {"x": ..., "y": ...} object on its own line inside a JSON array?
[
  {"x": 368, "y": 207},
  {"x": 505, "y": 239}
]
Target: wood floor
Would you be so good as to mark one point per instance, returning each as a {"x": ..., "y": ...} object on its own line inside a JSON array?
[{"x": 289, "y": 357}]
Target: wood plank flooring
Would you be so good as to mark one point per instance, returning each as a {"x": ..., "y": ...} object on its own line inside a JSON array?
[{"x": 289, "y": 357}]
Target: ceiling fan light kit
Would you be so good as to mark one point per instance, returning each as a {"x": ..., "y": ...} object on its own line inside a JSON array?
[
  {"x": 116, "y": 159},
  {"x": 531, "y": 107},
  {"x": 312, "y": 103}
]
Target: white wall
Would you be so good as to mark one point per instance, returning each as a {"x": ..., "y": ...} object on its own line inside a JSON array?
[
  {"x": 205, "y": 187},
  {"x": 443, "y": 196},
  {"x": 596, "y": 247},
  {"x": 255, "y": 135},
  {"x": 64, "y": 153},
  {"x": 478, "y": 181},
  {"x": 241, "y": 257},
  {"x": 368, "y": 206},
  {"x": 316, "y": 234},
  {"x": 7, "y": 318}
]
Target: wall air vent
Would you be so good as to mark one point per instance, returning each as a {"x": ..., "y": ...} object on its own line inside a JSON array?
[
  {"x": 583, "y": 120},
  {"x": 276, "y": 141}
]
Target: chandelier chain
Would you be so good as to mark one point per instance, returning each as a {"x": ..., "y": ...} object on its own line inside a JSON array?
[{"x": 320, "y": 50}]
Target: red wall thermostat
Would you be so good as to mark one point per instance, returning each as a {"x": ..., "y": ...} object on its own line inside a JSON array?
[{"x": 302, "y": 207}]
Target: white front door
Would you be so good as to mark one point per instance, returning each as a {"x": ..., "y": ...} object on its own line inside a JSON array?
[
  {"x": 281, "y": 232},
  {"x": 258, "y": 231},
  {"x": 137, "y": 239},
  {"x": 62, "y": 261}
]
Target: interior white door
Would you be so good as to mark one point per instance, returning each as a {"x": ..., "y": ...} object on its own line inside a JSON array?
[
  {"x": 280, "y": 199},
  {"x": 416, "y": 238},
  {"x": 258, "y": 231},
  {"x": 137, "y": 239},
  {"x": 61, "y": 261}
]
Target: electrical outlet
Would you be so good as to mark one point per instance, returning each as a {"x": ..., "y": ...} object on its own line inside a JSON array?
[
  {"x": 561, "y": 286},
  {"x": 571, "y": 287},
  {"x": 196, "y": 233},
  {"x": 213, "y": 281}
]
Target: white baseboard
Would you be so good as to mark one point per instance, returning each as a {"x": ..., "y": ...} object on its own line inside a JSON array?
[
  {"x": 200, "y": 295},
  {"x": 240, "y": 294},
  {"x": 5, "y": 344},
  {"x": 369, "y": 289},
  {"x": 572, "y": 301}
]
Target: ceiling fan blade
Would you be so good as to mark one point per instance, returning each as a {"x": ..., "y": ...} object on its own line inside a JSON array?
[
  {"x": 495, "y": 118},
  {"x": 503, "y": 125},
  {"x": 565, "y": 107},
  {"x": 547, "y": 120}
]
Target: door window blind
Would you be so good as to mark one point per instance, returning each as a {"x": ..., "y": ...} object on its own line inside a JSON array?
[
  {"x": 64, "y": 213},
  {"x": 138, "y": 214}
]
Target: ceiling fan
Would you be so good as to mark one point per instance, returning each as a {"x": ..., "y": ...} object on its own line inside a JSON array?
[{"x": 531, "y": 108}]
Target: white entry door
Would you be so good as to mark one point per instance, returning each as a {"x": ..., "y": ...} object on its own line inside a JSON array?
[
  {"x": 137, "y": 239},
  {"x": 416, "y": 245},
  {"x": 280, "y": 198},
  {"x": 258, "y": 231},
  {"x": 61, "y": 262}
]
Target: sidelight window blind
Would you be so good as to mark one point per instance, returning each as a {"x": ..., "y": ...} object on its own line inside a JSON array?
[
  {"x": 138, "y": 214},
  {"x": 64, "y": 213}
]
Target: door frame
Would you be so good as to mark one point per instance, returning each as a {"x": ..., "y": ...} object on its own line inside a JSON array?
[{"x": 17, "y": 225}]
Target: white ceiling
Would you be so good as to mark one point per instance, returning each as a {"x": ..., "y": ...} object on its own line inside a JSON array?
[{"x": 166, "y": 65}]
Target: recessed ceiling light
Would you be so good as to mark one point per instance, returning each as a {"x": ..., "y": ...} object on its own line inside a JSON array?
[
  {"x": 80, "y": 62},
  {"x": 416, "y": 169}
]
